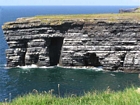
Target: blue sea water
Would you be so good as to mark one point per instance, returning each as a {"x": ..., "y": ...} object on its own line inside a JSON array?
[{"x": 18, "y": 81}]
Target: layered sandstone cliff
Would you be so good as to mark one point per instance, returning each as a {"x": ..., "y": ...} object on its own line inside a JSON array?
[{"x": 112, "y": 43}]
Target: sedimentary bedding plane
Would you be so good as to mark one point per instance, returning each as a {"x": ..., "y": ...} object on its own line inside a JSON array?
[{"x": 108, "y": 40}]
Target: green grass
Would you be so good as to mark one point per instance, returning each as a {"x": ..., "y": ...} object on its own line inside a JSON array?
[
  {"x": 60, "y": 19},
  {"x": 89, "y": 16},
  {"x": 126, "y": 97}
]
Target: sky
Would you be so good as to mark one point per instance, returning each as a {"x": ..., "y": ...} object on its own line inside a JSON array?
[{"x": 69, "y": 2}]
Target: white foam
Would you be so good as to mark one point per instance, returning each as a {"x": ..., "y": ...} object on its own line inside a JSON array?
[
  {"x": 28, "y": 66},
  {"x": 82, "y": 67},
  {"x": 58, "y": 66},
  {"x": 33, "y": 66},
  {"x": 47, "y": 67}
]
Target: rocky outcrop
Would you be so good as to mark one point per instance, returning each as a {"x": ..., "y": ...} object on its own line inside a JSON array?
[
  {"x": 112, "y": 45},
  {"x": 133, "y": 10}
]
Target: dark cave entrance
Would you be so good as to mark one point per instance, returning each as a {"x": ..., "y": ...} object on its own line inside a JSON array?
[
  {"x": 91, "y": 59},
  {"x": 55, "y": 50}
]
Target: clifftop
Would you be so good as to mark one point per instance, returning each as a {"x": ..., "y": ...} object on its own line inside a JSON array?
[{"x": 61, "y": 19}]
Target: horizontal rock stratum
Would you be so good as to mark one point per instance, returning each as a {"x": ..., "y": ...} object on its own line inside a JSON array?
[{"x": 108, "y": 40}]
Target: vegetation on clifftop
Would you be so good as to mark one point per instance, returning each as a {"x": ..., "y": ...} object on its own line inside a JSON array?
[
  {"x": 118, "y": 16},
  {"x": 60, "y": 19},
  {"x": 127, "y": 97}
]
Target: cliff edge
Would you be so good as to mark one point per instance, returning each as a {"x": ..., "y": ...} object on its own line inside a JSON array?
[{"x": 108, "y": 40}]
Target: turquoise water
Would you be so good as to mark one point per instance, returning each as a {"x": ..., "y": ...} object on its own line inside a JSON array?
[
  {"x": 72, "y": 81},
  {"x": 18, "y": 81}
]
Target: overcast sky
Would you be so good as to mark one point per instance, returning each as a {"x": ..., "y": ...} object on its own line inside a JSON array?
[{"x": 70, "y": 2}]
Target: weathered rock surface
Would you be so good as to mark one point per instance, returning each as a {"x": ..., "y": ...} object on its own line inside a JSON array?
[{"x": 112, "y": 45}]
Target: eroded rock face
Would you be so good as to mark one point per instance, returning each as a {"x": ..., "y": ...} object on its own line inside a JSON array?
[{"x": 114, "y": 46}]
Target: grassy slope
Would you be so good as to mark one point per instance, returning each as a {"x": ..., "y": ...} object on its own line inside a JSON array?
[{"x": 127, "y": 97}]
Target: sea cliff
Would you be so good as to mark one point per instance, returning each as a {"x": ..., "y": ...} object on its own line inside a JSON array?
[{"x": 108, "y": 40}]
